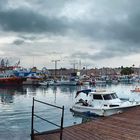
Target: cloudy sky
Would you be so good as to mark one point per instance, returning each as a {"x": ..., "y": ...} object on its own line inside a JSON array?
[{"x": 99, "y": 33}]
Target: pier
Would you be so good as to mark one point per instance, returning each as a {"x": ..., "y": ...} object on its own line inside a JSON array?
[{"x": 124, "y": 126}]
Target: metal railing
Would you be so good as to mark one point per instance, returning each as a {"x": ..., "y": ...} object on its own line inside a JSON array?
[{"x": 33, "y": 130}]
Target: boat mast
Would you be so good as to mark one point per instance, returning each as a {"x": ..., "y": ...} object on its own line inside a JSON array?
[{"x": 55, "y": 63}]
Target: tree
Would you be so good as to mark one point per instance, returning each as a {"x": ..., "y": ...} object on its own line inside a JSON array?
[{"x": 127, "y": 71}]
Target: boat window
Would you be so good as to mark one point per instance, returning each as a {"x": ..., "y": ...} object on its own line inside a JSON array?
[
  {"x": 97, "y": 97},
  {"x": 107, "y": 97},
  {"x": 114, "y": 96}
]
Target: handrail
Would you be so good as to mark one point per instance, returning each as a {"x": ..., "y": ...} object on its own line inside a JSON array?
[
  {"x": 35, "y": 115},
  {"x": 46, "y": 120},
  {"x": 32, "y": 121},
  {"x": 47, "y": 104}
]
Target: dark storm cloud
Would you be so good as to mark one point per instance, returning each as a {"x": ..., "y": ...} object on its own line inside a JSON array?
[
  {"x": 31, "y": 37},
  {"x": 28, "y": 20},
  {"x": 112, "y": 51},
  {"x": 129, "y": 30},
  {"x": 52, "y": 5},
  {"x": 18, "y": 42},
  {"x": 25, "y": 20},
  {"x": 24, "y": 39},
  {"x": 114, "y": 24},
  {"x": 119, "y": 33},
  {"x": 94, "y": 57},
  {"x": 3, "y": 4}
]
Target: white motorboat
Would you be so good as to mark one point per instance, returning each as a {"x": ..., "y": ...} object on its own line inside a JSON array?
[
  {"x": 101, "y": 103},
  {"x": 50, "y": 83},
  {"x": 62, "y": 83},
  {"x": 54, "y": 83},
  {"x": 44, "y": 83},
  {"x": 68, "y": 82}
]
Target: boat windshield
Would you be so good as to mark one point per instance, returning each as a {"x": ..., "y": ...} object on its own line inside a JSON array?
[
  {"x": 97, "y": 97},
  {"x": 107, "y": 97},
  {"x": 114, "y": 95},
  {"x": 110, "y": 96}
]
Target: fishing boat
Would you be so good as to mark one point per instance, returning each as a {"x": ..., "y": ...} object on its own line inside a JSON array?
[
  {"x": 101, "y": 103},
  {"x": 7, "y": 79},
  {"x": 33, "y": 79}
]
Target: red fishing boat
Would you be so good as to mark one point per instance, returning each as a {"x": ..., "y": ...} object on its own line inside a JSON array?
[{"x": 6, "y": 79}]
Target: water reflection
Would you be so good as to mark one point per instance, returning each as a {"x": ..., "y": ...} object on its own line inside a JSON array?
[
  {"x": 7, "y": 93},
  {"x": 68, "y": 89},
  {"x": 84, "y": 117},
  {"x": 6, "y": 98},
  {"x": 31, "y": 89},
  {"x": 54, "y": 92}
]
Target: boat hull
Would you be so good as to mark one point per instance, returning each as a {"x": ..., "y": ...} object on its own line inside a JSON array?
[
  {"x": 135, "y": 91},
  {"x": 101, "y": 111},
  {"x": 32, "y": 81},
  {"x": 11, "y": 81}
]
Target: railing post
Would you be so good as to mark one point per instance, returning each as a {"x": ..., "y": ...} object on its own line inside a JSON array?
[
  {"x": 34, "y": 115},
  {"x": 32, "y": 122},
  {"x": 62, "y": 119}
]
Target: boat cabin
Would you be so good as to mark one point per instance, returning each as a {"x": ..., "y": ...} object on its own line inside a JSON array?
[
  {"x": 102, "y": 103},
  {"x": 100, "y": 98}
]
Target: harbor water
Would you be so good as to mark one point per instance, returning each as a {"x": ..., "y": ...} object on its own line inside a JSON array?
[{"x": 16, "y": 103}]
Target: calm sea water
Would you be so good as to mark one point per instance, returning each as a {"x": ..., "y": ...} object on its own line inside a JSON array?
[{"x": 16, "y": 102}]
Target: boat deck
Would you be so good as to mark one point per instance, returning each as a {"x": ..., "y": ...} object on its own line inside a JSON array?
[{"x": 124, "y": 126}]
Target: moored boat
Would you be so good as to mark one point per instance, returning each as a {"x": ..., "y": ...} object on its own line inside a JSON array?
[
  {"x": 44, "y": 83},
  {"x": 6, "y": 79},
  {"x": 68, "y": 82},
  {"x": 100, "y": 82},
  {"x": 33, "y": 79},
  {"x": 137, "y": 89},
  {"x": 101, "y": 103}
]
